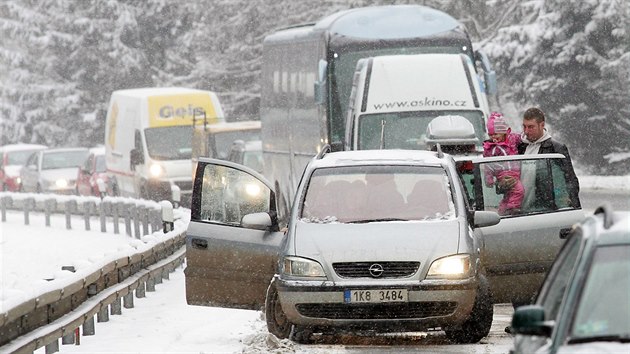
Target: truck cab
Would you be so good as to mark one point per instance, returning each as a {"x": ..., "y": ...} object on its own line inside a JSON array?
[{"x": 406, "y": 101}]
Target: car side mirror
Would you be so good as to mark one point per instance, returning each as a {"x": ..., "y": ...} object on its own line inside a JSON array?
[
  {"x": 485, "y": 218},
  {"x": 257, "y": 221},
  {"x": 530, "y": 320}
]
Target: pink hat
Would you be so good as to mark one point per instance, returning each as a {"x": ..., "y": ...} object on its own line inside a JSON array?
[{"x": 497, "y": 124}]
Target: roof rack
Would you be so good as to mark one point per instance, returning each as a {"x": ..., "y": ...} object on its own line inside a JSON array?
[
  {"x": 325, "y": 149},
  {"x": 607, "y": 210}
]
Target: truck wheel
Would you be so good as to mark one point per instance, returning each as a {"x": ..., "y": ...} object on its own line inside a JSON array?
[
  {"x": 478, "y": 324},
  {"x": 277, "y": 322}
]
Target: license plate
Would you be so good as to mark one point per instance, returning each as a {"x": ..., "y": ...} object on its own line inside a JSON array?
[{"x": 384, "y": 295}]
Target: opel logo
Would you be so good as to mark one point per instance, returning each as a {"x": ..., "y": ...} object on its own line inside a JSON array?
[{"x": 376, "y": 270}]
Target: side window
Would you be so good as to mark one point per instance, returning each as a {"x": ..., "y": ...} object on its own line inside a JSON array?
[
  {"x": 538, "y": 186},
  {"x": 555, "y": 285},
  {"x": 88, "y": 163},
  {"x": 228, "y": 194}
]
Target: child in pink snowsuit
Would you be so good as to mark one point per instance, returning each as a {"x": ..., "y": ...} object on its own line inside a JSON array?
[{"x": 502, "y": 143}]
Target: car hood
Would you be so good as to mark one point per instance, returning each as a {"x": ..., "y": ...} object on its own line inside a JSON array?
[
  {"x": 378, "y": 241},
  {"x": 57, "y": 173}
]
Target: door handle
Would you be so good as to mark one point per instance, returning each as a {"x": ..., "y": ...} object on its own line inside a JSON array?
[
  {"x": 199, "y": 243},
  {"x": 564, "y": 233}
]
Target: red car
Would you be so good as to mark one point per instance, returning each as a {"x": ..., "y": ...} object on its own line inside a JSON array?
[
  {"x": 92, "y": 171},
  {"x": 12, "y": 158}
]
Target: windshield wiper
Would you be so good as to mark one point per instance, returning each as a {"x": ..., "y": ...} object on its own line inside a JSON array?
[
  {"x": 621, "y": 338},
  {"x": 365, "y": 221}
]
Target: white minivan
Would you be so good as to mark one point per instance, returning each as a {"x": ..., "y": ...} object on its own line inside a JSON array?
[
  {"x": 395, "y": 98},
  {"x": 148, "y": 138}
]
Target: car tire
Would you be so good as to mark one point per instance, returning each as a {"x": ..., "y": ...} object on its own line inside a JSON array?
[
  {"x": 277, "y": 322},
  {"x": 478, "y": 324}
]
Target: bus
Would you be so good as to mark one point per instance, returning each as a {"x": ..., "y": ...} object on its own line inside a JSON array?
[{"x": 307, "y": 74}]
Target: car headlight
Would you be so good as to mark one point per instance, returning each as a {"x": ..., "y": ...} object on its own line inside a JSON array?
[
  {"x": 156, "y": 170},
  {"x": 302, "y": 267},
  {"x": 451, "y": 267},
  {"x": 61, "y": 183}
]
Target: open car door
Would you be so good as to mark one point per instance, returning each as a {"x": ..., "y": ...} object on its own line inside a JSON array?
[
  {"x": 230, "y": 263},
  {"x": 517, "y": 253}
]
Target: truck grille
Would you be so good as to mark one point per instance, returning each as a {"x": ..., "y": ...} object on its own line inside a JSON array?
[
  {"x": 362, "y": 269},
  {"x": 378, "y": 311}
]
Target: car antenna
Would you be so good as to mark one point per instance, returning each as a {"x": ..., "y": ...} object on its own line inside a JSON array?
[
  {"x": 440, "y": 153},
  {"x": 325, "y": 149}
]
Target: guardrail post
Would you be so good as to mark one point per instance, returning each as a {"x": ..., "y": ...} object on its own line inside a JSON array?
[
  {"x": 87, "y": 212},
  {"x": 68, "y": 338},
  {"x": 103, "y": 314},
  {"x": 144, "y": 217},
  {"x": 168, "y": 219},
  {"x": 136, "y": 222},
  {"x": 71, "y": 207},
  {"x": 49, "y": 206},
  {"x": 156, "y": 219},
  {"x": 52, "y": 347},
  {"x": 5, "y": 202},
  {"x": 116, "y": 309},
  {"x": 150, "y": 284},
  {"x": 88, "y": 327},
  {"x": 28, "y": 204},
  {"x": 166, "y": 274},
  {"x": 140, "y": 290},
  {"x": 128, "y": 300},
  {"x": 104, "y": 207},
  {"x": 116, "y": 207},
  {"x": 127, "y": 213}
]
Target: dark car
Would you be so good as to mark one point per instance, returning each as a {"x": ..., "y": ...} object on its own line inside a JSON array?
[{"x": 584, "y": 303}]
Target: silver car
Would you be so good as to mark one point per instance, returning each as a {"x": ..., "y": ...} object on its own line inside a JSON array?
[
  {"x": 377, "y": 240},
  {"x": 52, "y": 170}
]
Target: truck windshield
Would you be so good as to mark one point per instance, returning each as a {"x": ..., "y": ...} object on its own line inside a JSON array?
[
  {"x": 407, "y": 130},
  {"x": 223, "y": 141},
  {"x": 343, "y": 69},
  {"x": 361, "y": 194},
  {"x": 169, "y": 143}
]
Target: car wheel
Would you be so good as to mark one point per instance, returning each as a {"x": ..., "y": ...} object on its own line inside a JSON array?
[
  {"x": 277, "y": 322},
  {"x": 478, "y": 324}
]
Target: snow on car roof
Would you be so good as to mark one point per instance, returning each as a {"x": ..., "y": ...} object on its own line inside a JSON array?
[
  {"x": 379, "y": 157},
  {"x": 20, "y": 147}
]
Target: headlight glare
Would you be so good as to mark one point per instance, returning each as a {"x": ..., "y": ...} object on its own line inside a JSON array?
[
  {"x": 302, "y": 267},
  {"x": 156, "y": 170},
  {"x": 451, "y": 267},
  {"x": 61, "y": 183}
]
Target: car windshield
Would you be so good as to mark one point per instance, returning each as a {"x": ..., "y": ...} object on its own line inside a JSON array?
[
  {"x": 361, "y": 194},
  {"x": 100, "y": 163},
  {"x": 407, "y": 130},
  {"x": 224, "y": 140},
  {"x": 169, "y": 143},
  {"x": 604, "y": 305},
  {"x": 18, "y": 157},
  {"x": 63, "y": 159}
]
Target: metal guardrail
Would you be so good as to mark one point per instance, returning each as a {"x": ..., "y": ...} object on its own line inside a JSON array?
[{"x": 48, "y": 308}]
